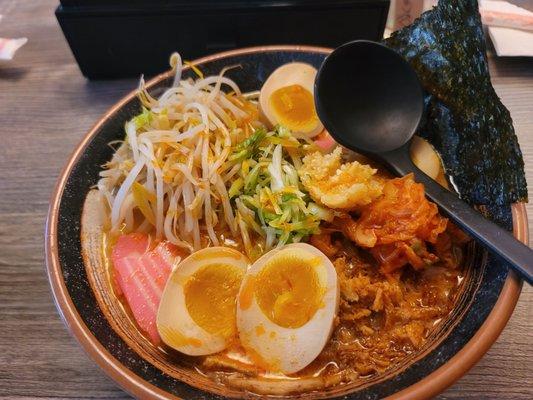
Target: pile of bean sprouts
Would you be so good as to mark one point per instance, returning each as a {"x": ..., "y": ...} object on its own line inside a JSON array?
[{"x": 170, "y": 175}]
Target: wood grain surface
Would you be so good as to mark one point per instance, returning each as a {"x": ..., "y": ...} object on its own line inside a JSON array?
[{"x": 46, "y": 106}]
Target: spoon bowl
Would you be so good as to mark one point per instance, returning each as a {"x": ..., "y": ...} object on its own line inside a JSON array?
[{"x": 368, "y": 97}]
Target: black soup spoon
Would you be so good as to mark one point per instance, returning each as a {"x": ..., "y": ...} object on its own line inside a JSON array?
[{"x": 371, "y": 101}]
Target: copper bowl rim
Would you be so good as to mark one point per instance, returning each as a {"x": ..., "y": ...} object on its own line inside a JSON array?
[{"x": 427, "y": 387}]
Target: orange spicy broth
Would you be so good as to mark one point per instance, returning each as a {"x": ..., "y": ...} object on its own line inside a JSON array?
[{"x": 382, "y": 318}]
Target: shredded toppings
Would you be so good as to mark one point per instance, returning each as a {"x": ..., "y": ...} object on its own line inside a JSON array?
[
  {"x": 397, "y": 226},
  {"x": 272, "y": 206},
  {"x": 383, "y": 320},
  {"x": 198, "y": 166},
  {"x": 172, "y": 172}
]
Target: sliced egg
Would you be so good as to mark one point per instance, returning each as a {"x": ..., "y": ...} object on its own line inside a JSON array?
[
  {"x": 427, "y": 159},
  {"x": 196, "y": 315},
  {"x": 287, "y": 99},
  {"x": 286, "y": 307}
]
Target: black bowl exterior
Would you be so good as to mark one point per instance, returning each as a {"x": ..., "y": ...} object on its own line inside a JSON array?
[{"x": 255, "y": 66}]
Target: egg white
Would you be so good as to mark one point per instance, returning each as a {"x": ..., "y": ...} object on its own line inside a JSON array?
[
  {"x": 288, "y": 350},
  {"x": 173, "y": 314}
]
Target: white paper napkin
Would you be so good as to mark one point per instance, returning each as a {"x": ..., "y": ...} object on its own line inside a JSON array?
[
  {"x": 505, "y": 14},
  {"x": 511, "y": 42},
  {"x": 8, "y": 47},
  {"x": 510, "y": 27}
]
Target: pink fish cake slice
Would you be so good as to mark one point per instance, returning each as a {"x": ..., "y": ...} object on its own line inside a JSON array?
[{"x": 141, "y": 275}]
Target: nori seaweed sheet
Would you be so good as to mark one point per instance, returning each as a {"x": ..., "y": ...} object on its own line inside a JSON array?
[{"x": 464, "y": 118}]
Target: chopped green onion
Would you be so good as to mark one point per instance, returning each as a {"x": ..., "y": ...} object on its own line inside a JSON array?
[
  {"x": 269, "y": 195},
  {"x": 247, "y": 148}
]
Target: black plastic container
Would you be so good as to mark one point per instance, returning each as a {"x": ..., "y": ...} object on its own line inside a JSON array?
[{"x": 120, "y": 38}]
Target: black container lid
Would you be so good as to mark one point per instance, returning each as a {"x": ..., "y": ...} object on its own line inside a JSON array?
[{"x": 188, "y": 5}]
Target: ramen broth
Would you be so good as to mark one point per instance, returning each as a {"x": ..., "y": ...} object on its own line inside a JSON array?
[{"x": 368, "y": 337}]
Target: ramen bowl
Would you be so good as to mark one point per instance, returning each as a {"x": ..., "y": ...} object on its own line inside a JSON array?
[{"x": 85, "y": 300}]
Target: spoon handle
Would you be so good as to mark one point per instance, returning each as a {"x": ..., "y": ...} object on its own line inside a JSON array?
[{"x": 494, "y": 238}]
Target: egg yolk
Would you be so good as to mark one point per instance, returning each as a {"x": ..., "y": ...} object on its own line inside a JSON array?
[
  {"x": 288, "y": 290},
  {"x": 294, "y": 108},
  {"x": 210, "y": 298}
]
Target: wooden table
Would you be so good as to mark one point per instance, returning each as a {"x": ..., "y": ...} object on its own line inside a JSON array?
[{"x": 46, "y": 106}]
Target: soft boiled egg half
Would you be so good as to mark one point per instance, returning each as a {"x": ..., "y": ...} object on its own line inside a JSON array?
[
  {"x": 286, "y": 98},
  {"x": 286, "y": 307},
  {"x": 196, "y": 315}
]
